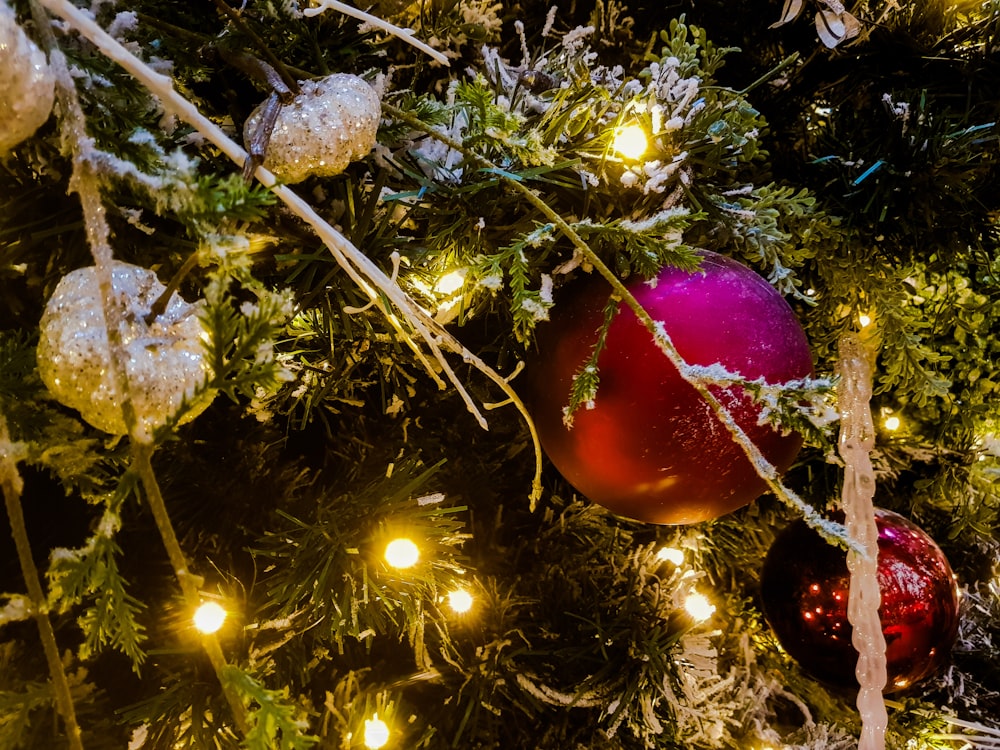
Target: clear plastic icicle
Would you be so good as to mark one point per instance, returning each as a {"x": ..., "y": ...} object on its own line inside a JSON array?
[{"x": 857, "y": 438}]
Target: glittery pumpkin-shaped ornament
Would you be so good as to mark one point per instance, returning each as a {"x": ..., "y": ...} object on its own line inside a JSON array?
[
  {"x": 329, "y": 124},
  {"x": 165, "y": 358},
  {"x": 26, "y": 83}
]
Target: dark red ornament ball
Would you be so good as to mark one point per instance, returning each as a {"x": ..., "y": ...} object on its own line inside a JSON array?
[
  {"x": 651, "y": 448},
  {"x": 804, "y": 588}
]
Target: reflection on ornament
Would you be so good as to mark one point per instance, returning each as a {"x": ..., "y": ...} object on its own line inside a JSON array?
[
  {"x": 630, "y": 141},
  {"x": 402, "y": 553},
  {"x": 651, "y": 448},
  {"x": 165, "y": 359},
  {"x": 376, "y": 733},
  {"x": 804, "y": 587},
  {"x": 209, "y": 618},
  {"x": 330, "y": 123}
]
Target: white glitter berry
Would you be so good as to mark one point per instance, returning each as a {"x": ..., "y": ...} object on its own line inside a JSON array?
[
  {"x": 166, "y": 360},
  {"x": 26, "y": 83},
  {"x": 331, "y": 123}
]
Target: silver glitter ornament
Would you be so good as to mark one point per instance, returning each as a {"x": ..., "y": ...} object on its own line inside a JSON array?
[
  {"x": 166, "y": 358},
  {"x": 26, "y": 83},
  {"x": 331, "y": 123}
]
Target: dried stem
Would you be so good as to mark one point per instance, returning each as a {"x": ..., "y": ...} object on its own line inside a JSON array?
[
  {"x": 279, "y": 67},
  {"x": 160, "y": 305},
  {"x": 190, "y": 583},
  {"x": 13, "y": 485}
]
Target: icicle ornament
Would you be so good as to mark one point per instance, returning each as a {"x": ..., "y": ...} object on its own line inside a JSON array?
[
  {"x": 857, "y": 438},
  {"x": 26, "y": 81},
  {"x": 166, "y": 357},
  {"x": 332, "y": 122}
]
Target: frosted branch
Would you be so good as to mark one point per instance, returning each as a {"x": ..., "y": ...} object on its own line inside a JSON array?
[
  {"x": 405, "y": 34},
  {"x": 12, "y": 487}
]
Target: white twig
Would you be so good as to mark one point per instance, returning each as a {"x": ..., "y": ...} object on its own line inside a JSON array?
[{"x": 405, "y": 34}]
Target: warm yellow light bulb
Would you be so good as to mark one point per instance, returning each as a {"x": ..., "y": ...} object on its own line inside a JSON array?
[
  {"x": 864, "y": 320},
  {"x": 376, "y": 732},
  {"x": 630, "y": 141},
  {"x": 698, "y": 606},
  {"x": 892, "y": 423},
  {"x": 450, "y": 283},
  {"x": 208, "y": 618},
  {"x": 402, "y": 553},
  {"x": 671, "y": 554},
  {"x": 460, "y": 601}
]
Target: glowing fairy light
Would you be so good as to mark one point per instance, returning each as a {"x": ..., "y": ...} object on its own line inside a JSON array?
[
  {"x": 864, "y": 320},
  {"x": 376, "y": 732},
  {"x": 208, "y": 618},
  {"x": 670, "y": 554},
  {"x": 630, "y": 141},
  {"x": 402, "y": 553},
  {"x": 460, "y": 601},
  {"x": 698, "y": 606},
  {"x": 450, "y": 283},
  {"x": 892, "y": 423}
]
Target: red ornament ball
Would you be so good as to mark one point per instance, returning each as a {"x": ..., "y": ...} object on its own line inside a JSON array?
[
  {"x": 651, "y": 448},
  {"x": 804, "y": 587}
]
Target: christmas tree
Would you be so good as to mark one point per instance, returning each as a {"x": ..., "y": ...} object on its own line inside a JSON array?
[{"x": 445, "y": 374}]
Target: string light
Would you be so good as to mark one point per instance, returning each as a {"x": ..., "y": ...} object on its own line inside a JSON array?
[
  {"x": 460, "y": 601},
  {"x": 864, "y": 320},
  {"x": 450, "y": 283},
  {"x": 698, "y": 606},
  {"x": 376, "y": 732},
  {"x": 630, "y": 141},
  {"x": 208, "y": 618},
  {"x": 892, "y": 423},
  {"x": 671, "y": 554},
  {"x": 402, "y": 553}
]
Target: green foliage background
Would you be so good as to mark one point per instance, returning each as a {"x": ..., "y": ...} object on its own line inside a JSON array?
[{"x": 864, "y": 178}]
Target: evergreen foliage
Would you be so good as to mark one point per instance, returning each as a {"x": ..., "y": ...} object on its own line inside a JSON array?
[{"x": 858, "y": 176}]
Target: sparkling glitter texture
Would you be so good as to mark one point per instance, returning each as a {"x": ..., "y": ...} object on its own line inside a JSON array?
[
  {"x": 166, "y": 359},
  {"x": 26, "y": 83},
  {"x": 331, "y": 123}
]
